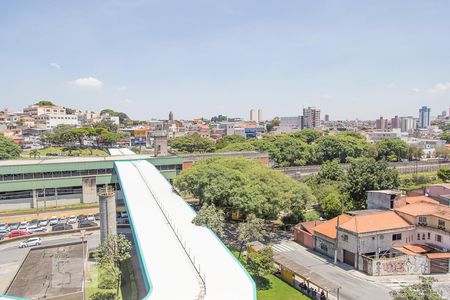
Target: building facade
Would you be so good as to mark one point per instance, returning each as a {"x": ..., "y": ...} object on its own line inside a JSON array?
[{"x": 424, "y": 117}]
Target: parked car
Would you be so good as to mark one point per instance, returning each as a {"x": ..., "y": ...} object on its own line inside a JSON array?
[
  {"x": 123, "y": 214},
  {"x": 87, "y": 223},
  {"x": 16, "y": 233},
  {"x": 118, "y": 214},
  {"x": 4, "y": 232},
  {"x": 40, "y": 229},
  {"x": 54, "y": 220},
  {"x": 33, "y": 222},
  {"x": 34, "y": 241},
  {"x": 62, "y": 226},
  {"x": 3, "y": 226},
  {"x": 62, "y": 220},
  {"x": 14, "y": 226},
  {"x": 81, "y": 218},
  {"x": 90, "y": 217},
  {"x": 32, "y": 228},
  {"x": 97, "y": 217},
  {"x": 23, "y": 226},
  {"x": 2, "y": 236},
  {"x": 72, "y": 220},
  {"x": 43, "y": 222}
]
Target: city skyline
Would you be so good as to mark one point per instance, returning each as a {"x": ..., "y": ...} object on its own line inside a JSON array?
[{"x": 227, "y": 57}]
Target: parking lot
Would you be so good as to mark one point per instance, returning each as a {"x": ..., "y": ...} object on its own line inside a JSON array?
[{"x": 53, "y": 224}]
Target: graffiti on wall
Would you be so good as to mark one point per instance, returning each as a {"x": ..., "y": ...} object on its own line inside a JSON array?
[{"x": 407, "y": 264}]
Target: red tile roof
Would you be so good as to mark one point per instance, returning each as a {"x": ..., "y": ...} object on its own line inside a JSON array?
[
  {"x": 426, "y": 209},
  {"x": 387, "y": 220},
  {"x": 415, "y": 199},
  {"x": 328, "y": 228}
]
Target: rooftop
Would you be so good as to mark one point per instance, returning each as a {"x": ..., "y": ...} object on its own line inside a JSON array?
[
  {"x": 415, "y": 199},
  {"x": 328, "y": 228},
  {"x": 426, "y": 209},
  {"x": 387, "y": 220}
]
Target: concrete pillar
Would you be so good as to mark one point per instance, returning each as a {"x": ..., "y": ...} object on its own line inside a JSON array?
[
  {"x": 107, "y": 203},
  {"x": 33, "y": 203},
  {"x": 89, "y": 187}
]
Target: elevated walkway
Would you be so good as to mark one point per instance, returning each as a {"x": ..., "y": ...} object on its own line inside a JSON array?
[{"x": 179, "y": 260}]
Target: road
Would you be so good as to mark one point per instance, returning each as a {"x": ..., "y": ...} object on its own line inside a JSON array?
[
  {"x": 11, "y": 256},
  {"x": 352, "y": 286}
]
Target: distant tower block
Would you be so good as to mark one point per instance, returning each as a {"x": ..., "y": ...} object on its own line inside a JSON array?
[
  {"x": 107, "y": 203},
  {"x": 160, "y": 143},
  {"x": 260, "y": 116},
  {"x": 170, "y": 118}
]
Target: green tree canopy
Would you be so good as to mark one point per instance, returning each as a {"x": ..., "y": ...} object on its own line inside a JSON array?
[
  {"x": 238, "y": 147},
  {"x": 395, "y": 149},
  {"x": 210, "y": 217},
  {"x": 445, "y": 136},
  {"x": 366, "y": 174},
  {"x": 192, "y": 144},
  {"x": 331, "y": 171},
  {"x": 229, "y": 139},
  {"x": 244, "y": 185},
  {"x": 260, "y": 263},
  {"x": 45, "y": 103},
  {"x": 444, "y": 174},
  {"x": 122, "y": 116},
  {"x": 415, "y": 152},
  {"x": 253, "y": 229},
  {"x": 340, "y": 146},
  {"x": 108, "y": 125},
  {"x": 8, "y": 150},
  {"x": 309, "y": 136}
]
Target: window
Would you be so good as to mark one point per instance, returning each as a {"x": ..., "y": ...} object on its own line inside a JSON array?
[
  {"x": 422, "y": 220},
  {"x": 381, "y": 237},
  {"x": 423, "y": 236},
  {"x": 438, "y": 238},
  {"x": 397, "y": 237},
  {"x": 428, "y": 235},
  {"x": 345, "y": 237},
  {"x": 441, "y": 224}
]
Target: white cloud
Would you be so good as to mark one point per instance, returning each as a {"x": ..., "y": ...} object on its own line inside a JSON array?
[
  {"x": 55, "y": 65},
  {"x": 416, "y": 90},
  {"x": 439, "y": 88},
  {"x": 128, "y": 101},
  {"x": 88, "y": 82}
]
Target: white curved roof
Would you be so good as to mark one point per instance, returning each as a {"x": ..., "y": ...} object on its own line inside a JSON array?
[{"x": 179, "y": 259}]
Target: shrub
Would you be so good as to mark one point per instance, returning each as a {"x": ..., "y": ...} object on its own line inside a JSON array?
[{"x": 103, "y": 295}]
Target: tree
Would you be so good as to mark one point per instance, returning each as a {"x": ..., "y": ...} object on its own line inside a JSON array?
[
  {"x": 330, "y": 171},
  {"x": 122, "y": 116},
  {"x": 70, "y": 111},
  {"x": 366, "y": 174},
  {"x": 275, "y": 122},
  {"x": 35, "y": 153},
  {"x": 192, "y": 144},
  {"x": 392, "y": 149},
  {"x": 445, "y": 136},
  {"x": 444, "y": 174},
  {"x": 285, "y": 150},
  {"x": 244, "y": 185},
  {"x": 45, "y": 103},
  {"x": 111, "y": 253},
  {"x": 210, "y": 217},
  {"x": 229, "y": 140},
  {"x": 309, "y": 136},
  {"x": 238, "y": 147},
  {"x": 110, "y": 138},
  {"x": 372, "y": 151},
  {"x": 415, "y": 152},
  {"x": 418, "y": 291},
  {"x": 334, "y": 204},
  {"x": 8, "y": 150},
  {"x": 253, "y": 229},
  {"x": 108, "y": 125},
  {"x": 443, "y": 153},
  {"x": 340, "y": 146},
  {"x": 260, "y": 263}
]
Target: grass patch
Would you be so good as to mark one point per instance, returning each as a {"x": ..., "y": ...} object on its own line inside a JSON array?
[
  {"x": 60, "y": 151},
  {"x": 49, "y": 208},
  {"x": 414, "y": 181},
  {"x": 129, "y": 288},
  {"x": 273, "y": 288},
  {"x": 279, "y": 290},
  {"x": 94, "y": 282}
]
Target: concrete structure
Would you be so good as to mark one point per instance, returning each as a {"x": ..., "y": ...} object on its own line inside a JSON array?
[
  {"x": 37, "y": 110},
  {"x": 160, "y": 141},
  {"x": 424, "y": 117},
  {"x": 288, "y": 124},
  {"x": 382, "y": 199},
  {"x": 381, "y": 123},
  {"x": 171, "y": 120},
  {"x": 327, "y": 118},
  {"x": 311, "y": 117},
  {"x": 253, "y": 116},
  {"x": 169, "y": 246},
  {"x": 107, "y": 210},
  {"x": 376, "y": 136},
  {"x": 407, "y": 124},
  {"x": 395, "y": 122},
  {"x": 51, "y": 121},
  {"x": 260, "y": 116}
]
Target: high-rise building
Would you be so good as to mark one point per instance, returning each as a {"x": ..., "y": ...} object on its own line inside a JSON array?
[
  {"x": 327, "y": 118},
  {"x": 253, "y": 115},
  {"x": 381, "y": 123},
  {"x": 170, "y": 118},
  {"x": 288, "y": 124},
  {"x": 395, "y": 122},
  {"x": 424, "y": 117},
  {"x": 311, "y": 117},
  {"x": 260, "y": 116},
  {"x": 407, "y": 124}
]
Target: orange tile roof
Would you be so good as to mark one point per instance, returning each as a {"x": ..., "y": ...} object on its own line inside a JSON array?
[
  {"x": 426, "y": 209},
  {"x": 415, "y": 199},
  {"x": 417, "y": 248},
  {"x": 328, "y": 228},
  {"x": 438, "y": 255},
  {"x": 386, "y": 220},
  {"x": 309, "y": 226}
]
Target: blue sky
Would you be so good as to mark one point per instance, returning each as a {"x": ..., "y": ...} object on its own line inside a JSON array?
[{"x": 353, "y": 59}]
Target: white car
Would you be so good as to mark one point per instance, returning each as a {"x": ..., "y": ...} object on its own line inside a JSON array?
[
  {"x": 34, "y": 241},
  {"x": 72, "y": 220},
  {"x": 91, "y": 217},
  {"x": 53, "y": 220},
  {"x": 3, "y": 226},
  {"x": 62, "y": 220},
  {"x": 32, "y": 228},
  {"x": 43, "y": 222},
  {"x": 23, "y": 226},
  {"x": 123, "y": 214}
]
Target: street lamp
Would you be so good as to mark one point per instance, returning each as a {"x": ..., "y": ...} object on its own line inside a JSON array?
[{"x": 82, "y": 235}]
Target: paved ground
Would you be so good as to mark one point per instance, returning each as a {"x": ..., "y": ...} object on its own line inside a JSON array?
[
  {"x": 354, "y": 284},
  {"x": 11, "y": 256}
]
